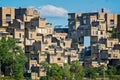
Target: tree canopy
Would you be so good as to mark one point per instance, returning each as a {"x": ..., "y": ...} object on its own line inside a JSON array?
[{"x": 12, "y": 58}]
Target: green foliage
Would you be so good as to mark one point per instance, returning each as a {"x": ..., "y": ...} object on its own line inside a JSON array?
[
  {"x": 47, "y": 52},
  {"x": 114, "y": 33},
  {"x": 100, "y": 70},
  {"x": 111, "y": 70},
  {"x": 77, "y": 70},
  {"x": 44, "y": 66},
  {"x": 55, "y": 71},
  {"x": 91, "y": 73},
  {"x": 66, "y": 72},
  {"x": 8, "y": 78},
  {"x": 115, "y": 77},
  {"x": 43, "y": 78},
  {"x": 118, "y": 70},
  {"x": 12, "y": 57}
]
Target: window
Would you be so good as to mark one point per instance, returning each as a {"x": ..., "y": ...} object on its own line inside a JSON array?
[
  {"x": 32, "y": 24},
  {"x": 30, "y": 35},
  {"x": 43, "y": 30},
  {"x": 79, "y": 39},
  {"x": 65, "y": 61},
  {"x": 95, "y": 23},
  {"x": 101, "y": 32},
  {"x": 8, "y": 18},
  {"x": 30, "y": 42},
  {"x": 59, "y": 59},
  {"x": 111, "y": 43},
  {"x": 27, "y": 48},
  {"x": 84, "y": 20},
  {"x": 74, "y": 27},
  {"x": 109, "y": 55},
  {"x": 111, "y": 23},
  {"x": 22, "y": 23},
  {"x": 96, "y": 32},
  {"x": 46, "y": 48},
  {"x": 23, "y": 36},
  {"x": 99, "y": 27},
  {"x": 64, "y": 44},
  {"x": 93, "y": 32},
  {"x": 20, "y": 35},
  {"x": 40, "y": 30}
]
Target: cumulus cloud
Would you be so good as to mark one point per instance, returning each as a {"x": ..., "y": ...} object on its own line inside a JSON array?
[{"x": 52, "y": 11}]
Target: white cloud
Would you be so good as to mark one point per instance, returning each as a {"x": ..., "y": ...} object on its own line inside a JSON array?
[{"x": 52, "y": 11}]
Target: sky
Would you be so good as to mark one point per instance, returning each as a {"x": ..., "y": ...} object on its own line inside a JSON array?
[{"x": 55, "y": 11}]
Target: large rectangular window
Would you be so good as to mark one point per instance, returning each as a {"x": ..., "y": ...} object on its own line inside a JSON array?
[
  {"x": 87, "y": 41},
  {"x": 8, "y": 18},
  {"x": 111, "y": 23}
]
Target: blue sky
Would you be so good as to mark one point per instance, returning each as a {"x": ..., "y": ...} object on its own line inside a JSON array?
[{"x": 56, "y": 10}]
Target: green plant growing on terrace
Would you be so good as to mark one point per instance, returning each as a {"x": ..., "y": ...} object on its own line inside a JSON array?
[{"x": 114, "y": 34}]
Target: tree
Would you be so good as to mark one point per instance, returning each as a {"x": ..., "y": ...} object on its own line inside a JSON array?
[
  {"x": 77, "y": 70},
  {"x": 118, "y": 70},
  {"x": 19, "y": 64},
  {"x": 111, "y": 70},
  {"x": 54, "y": 72},
  {"x": 91, "y": 73},
  {"x": 66, "y": 72},
  {"x": 43, "y": 78},
  {"x": 100, "y": 70},
  {"x": 44, "y": 65},
  {"x": 12, "y": 58}
]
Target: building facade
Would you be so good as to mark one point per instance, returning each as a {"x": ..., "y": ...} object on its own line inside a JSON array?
[
  {"x": 37, "y": 39},
  {"x": 98, "y": 32},
  {"x": 92, "y": 38}
]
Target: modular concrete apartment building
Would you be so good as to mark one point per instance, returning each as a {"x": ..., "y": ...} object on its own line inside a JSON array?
[
  {"x": 98, "y": 32},
  {"x": 92, "y": 38},
  {"x": 37, "y": 39}
]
